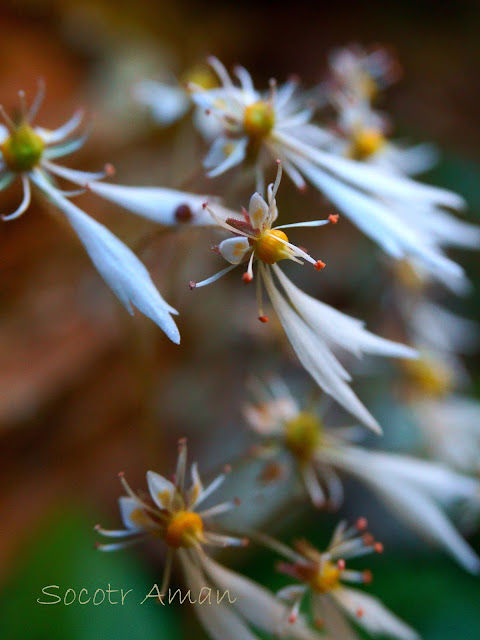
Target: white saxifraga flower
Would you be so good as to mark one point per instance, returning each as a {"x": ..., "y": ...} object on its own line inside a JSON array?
[
  {"x": 313, "y": 328},
  {"x": 324, "y": 576},
  {"x": 406, "y": 218},
  {"x": 361, "y": 73},
  {"x": 176, "y": 515},
  {"x": 415, "y": 490},
  {"x": 28, "y": 153}
]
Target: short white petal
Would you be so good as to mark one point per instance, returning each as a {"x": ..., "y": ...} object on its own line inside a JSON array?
[
  {"x": 234, "y": 249},
  {"x": 127, "y": 507},
  {"x": 225, "y": 154},
  {"x": 258, "y": 211},
  {"x": 161, "y": 489}
]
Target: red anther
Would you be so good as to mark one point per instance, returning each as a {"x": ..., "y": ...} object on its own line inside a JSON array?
[
  {"x": 263, "y": 318},
  {"x": 319, "y": 265},
  {"x": 319, "y": 623},
  {"x": 278, "y": 161},
  {"x": 368, "y": 539},
  {"x": 378, "y": 547},
  {"x": 293, "y": 617},
  {"x": 245, "y": 542},
  {"x": 208, "y": 112},
  {"x": 360, "y": 613},
  {"x": 227, "y": 468},
  {"x": 109, "y": 170},
  {"x": 367, "y": 576},
  {"x": 361, "y": 524},
  {"x": 204, "y": 205},
  {"x": 121, "y": 474},
  {"x": 341, "y": 564},
  {"x": 247, "y": 277},
  {"x": 333, "y": 217},
  {"x": 192, "y": 284},
  {"x": 97, "y": 545},
  {"x": 97, "y": 527},
  {"x": 182, "y": 441},
  {"x": 237, "y": 502}
]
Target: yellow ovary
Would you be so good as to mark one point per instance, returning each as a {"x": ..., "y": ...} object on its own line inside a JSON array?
[
  {"x": 22, "y": 149},
  {"x": 302, "y": 435},
  {"x": 269, "y": 249},
  {"x": 430, "y": 376},
  {"x": 184, "y": 529},
  {"x": 258, "y": 119},
  {"x": 365, "y": 143},
  {"x": 326, "y": 578}
]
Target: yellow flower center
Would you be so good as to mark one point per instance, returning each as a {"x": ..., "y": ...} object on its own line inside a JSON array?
[
  {"x": 432, "y": 377},
  {"x": 326, "y": 578},
  {"x": 365, "y": 143},
  {"x": 408, "y": 277},
  {"x": 269, "y": 249},
  {"x": 22, "y": 149},
  {"x": 201, "y": 75},
  {"x": 259, "y": 119},
  {"x": 303, "y": 434},
  {"x": 184, "y": 529}
]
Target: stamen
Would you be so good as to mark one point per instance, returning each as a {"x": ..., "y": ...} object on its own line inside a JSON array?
[
  {"x": 248, "y": 275},
  {"x": 37, "y": 102},
  {"x": 333, "y": 217},
  {"x": 319, "y": 265},
  {"x": 214, "y": 278},
  {"x": 23, "y": 105},
  {"x": 6, "y": 118},
  {"x": 278, "y": 179}
]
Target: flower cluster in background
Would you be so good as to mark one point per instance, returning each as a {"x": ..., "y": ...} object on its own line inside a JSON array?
[{"x": 320, "y": 418}]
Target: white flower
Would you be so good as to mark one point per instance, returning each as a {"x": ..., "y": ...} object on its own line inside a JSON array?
[
  {"x": 172, "y": 513},
  {"x": 176, "y": 515},
  {"x": 322, "y": 577},
  {"x": 28, "y": 153},
  {"x": 361, "y": 73},
  {"x": 415, "y": 490},
  {"x": 313, "y": 328},
  {"x": 406, "y": 218},
  {"x": 250, "y": 607}
]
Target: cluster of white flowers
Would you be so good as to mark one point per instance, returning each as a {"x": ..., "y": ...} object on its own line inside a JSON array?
[{"x": 368, "y": 179}]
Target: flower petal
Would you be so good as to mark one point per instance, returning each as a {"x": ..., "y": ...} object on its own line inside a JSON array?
[
  {"x": 375, "y": 617},
  {"x": 258, "y": 211},
  {"x": 234, "y": 249},
  {"x": 117, "y": 264},
  {"x": 224, "y": 154},
  {"x": 161, "y": 490},
  {"x": 127, "y": 507}
]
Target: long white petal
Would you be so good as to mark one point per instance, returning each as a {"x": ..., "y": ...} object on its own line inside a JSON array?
[
  {"x": 372, "y": 179},
  {"x": 117, "y": 264},
  {"x": 257, "y": 604},
  {"x": 316, "y": 358},
  {"x": 375, "y": 617},
  {"x": 337, "y": 328},
  {"x": 220, "y": 620}
]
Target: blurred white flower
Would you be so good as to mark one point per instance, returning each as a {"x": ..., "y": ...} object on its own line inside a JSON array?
[
  {"x": 361, "y": 73},
  {"x": 415, "y": 490},
  {"x": 322, "y": 577},
  {"x": 406, "y": 218},
  {"x": 313, "y": 328},
  {"x": 170, "y": 101}
]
